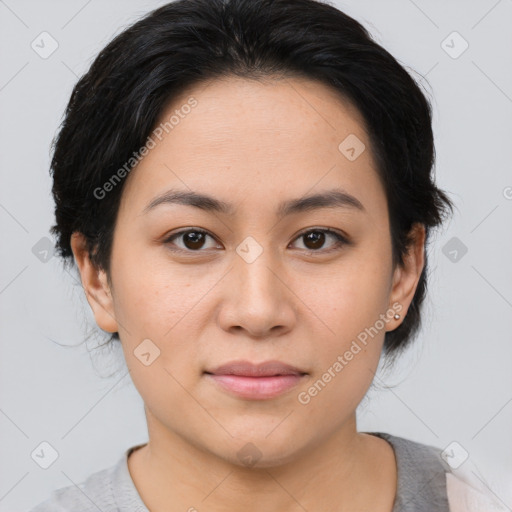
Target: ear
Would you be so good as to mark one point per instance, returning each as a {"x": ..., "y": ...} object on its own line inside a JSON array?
[
  {"x": 95, "y": 285},
  {"x": 406, "y": 277}
]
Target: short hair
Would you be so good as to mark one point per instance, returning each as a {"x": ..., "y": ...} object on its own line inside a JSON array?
[{"x": 115, "y": 106}]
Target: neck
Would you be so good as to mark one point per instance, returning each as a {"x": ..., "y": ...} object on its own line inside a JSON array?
[{"x": 334, "y": 475}]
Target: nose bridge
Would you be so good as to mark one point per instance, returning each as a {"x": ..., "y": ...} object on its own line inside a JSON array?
[
  {"x": 257, "y": 301},
  {"x": 256, "y": 267}
]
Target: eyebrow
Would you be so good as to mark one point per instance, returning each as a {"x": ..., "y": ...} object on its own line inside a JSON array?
[{"x": 335, "y": 198}]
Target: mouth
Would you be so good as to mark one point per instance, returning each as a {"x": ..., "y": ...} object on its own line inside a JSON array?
[{"x": 256, "y": 381}]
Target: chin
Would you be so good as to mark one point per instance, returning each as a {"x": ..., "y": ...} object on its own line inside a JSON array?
[{"x": 262, "y": 451}]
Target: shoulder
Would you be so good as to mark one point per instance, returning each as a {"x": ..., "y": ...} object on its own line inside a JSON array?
[
  {"x": 90, "y": 495},
  {"x": 467, "y": 493},
  {"x": 425, "y": 476},
  {"x": 421, "y": 478},
  {"x": 415, "y": 455},
  {"x": 107, "y": 490}
]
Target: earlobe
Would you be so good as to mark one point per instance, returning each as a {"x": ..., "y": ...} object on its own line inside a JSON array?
[
  {"x": 95, "y": 285},
  {"x": 406, "y": 277}
]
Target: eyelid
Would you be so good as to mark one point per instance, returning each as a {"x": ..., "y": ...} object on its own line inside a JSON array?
[
  {"x": 168, "y": 239},
  {"x": 331, "y": 231},
  {"x": 340, "y": 237}
]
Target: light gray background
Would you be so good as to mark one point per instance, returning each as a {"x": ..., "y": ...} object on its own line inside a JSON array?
[{"x": 455, "y": 384}]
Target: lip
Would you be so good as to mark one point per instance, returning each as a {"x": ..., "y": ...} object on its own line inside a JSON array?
[
  {"x": 248, "y": 369},
  {"x": 256, "y": 381}
]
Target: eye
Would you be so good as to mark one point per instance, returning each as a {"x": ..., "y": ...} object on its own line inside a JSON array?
[
  {"x": 315, "y": 238},
  {"x": 193, "y": 239}
]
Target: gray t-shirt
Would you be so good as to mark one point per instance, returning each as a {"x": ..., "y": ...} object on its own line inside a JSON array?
[{"x": 421, "y": 485}]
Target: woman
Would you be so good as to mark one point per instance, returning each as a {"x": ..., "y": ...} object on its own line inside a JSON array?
[{"x": 246, "y": 188}]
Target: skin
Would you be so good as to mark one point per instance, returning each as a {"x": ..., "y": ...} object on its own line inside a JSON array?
[{"x": 254, "y": 144}]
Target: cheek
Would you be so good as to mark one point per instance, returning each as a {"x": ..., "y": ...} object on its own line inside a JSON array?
[
  {"x": 338, "y": 393},
  {"x": 352, "y": 296},
  {"x": 153, "y": 294},
  {"x": 350, "y": 303},
  {"x": 164, "y": 390},
  {"x": 167, "y": 305}
]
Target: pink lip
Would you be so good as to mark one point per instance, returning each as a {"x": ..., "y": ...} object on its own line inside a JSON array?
[{"x": 256, "y": 381}]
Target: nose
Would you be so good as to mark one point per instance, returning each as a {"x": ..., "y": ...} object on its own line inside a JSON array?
[{"x": 257, "y": 299}]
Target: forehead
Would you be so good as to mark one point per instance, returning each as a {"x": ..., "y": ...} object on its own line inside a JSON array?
[
  {"x": 249, "y": 138},
  {"x": 235, "y": 106}
]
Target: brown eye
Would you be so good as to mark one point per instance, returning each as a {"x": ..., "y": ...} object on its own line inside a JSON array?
[
  {"x": 314, "y": 239},
  {"x": 195, "y": 240},
  {"x": 192, "y": 239}
]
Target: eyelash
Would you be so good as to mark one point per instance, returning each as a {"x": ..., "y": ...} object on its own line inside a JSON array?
[{"x": 340, "y": 239}]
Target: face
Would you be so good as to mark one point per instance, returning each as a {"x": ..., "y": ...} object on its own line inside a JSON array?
[{"x": 271, "y": 276}]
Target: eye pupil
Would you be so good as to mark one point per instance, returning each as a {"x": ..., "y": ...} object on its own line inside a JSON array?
[
  {"x": 317, "y": 237},
  {"x": 194, "y": 237}
]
